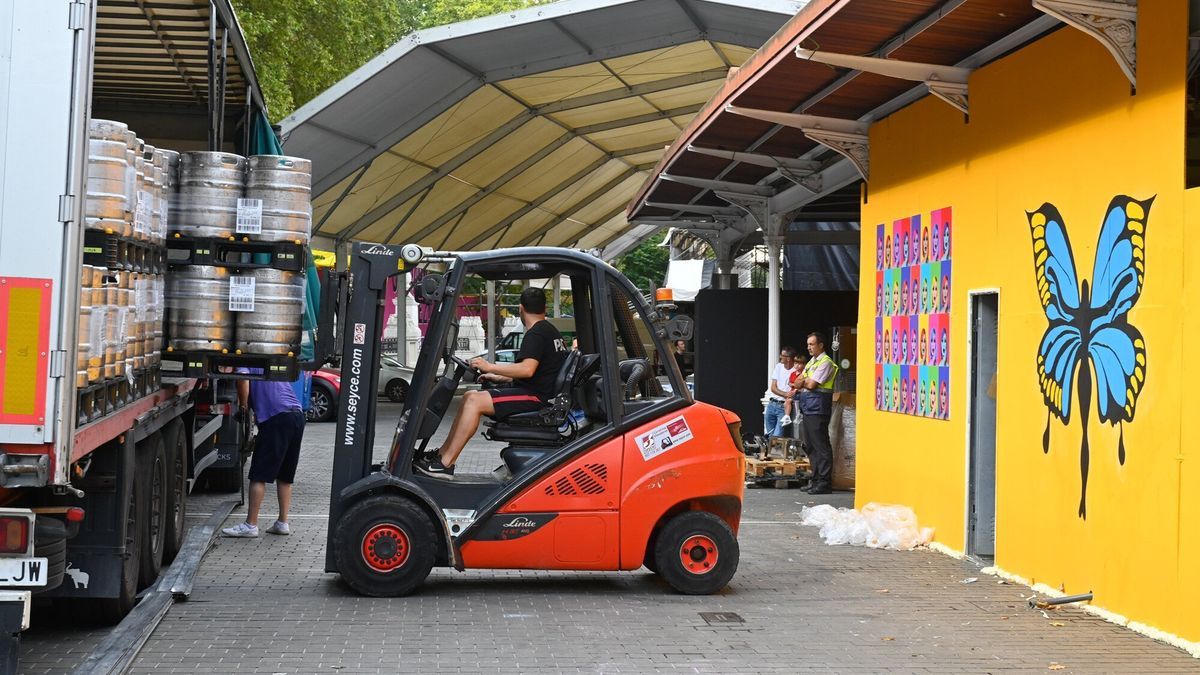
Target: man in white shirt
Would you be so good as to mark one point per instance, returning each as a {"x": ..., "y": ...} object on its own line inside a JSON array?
[{"x": 779, "y": 389}]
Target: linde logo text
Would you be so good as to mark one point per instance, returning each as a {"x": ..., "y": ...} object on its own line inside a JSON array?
[{"x": 520, "y": 521}]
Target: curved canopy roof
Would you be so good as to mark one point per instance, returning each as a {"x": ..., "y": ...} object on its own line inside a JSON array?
[{"x": 529, "y": 128}]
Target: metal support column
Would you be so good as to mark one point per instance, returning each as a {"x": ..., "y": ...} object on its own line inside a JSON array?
[
  {"x": 491, "y": 326},
  {"x": 774, "y": 248},
  {"x": 557, "y": 286}
]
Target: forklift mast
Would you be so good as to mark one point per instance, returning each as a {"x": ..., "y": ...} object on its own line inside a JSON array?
[{"x": 361, "y": 323}]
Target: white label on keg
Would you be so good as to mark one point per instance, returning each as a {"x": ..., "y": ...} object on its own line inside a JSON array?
[
  {"x": 145, "y": 207},
  {"x": 241, "y": 294},
  {"x": 249, "y": 216}
]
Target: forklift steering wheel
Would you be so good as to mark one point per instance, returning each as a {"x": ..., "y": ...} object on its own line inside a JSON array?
[{"x": 465, "y": 367}]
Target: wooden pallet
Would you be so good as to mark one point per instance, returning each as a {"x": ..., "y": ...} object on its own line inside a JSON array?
[{"x": 761, "y": 468}]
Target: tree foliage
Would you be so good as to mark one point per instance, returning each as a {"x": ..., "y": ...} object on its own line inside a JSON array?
[
  {"x": 302, "y": 47},
  {"x": 646, "y": 265}
]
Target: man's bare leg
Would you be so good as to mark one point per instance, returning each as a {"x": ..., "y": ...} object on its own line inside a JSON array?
[
  {"x": 258, "y": 490},
  {"x": 284, "y": 491},
  {"x": 475, "y": 405}
]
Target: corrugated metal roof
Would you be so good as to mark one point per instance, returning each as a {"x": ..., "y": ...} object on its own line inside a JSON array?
[
  {"x": 157, "y": 51},
  {"x": 968, "y": 33},
  {"x": 533, "y": 127}
]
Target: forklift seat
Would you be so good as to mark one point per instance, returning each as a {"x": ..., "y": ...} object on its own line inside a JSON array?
[{"x": 541, "y": 427}]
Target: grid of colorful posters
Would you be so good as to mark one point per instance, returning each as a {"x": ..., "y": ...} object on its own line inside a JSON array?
[{"x": 912, "y": 315}]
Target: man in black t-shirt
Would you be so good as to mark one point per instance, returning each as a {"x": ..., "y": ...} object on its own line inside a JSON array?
[{"x": 529, "y": 384}]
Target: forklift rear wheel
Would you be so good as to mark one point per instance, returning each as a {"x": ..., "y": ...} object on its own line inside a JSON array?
[
  {"x": 696, "y": 553},
  {"x": 385, "y": 546}
]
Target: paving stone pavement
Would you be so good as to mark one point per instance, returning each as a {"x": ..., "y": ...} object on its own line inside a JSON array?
[{"x": 266, "y": 606}]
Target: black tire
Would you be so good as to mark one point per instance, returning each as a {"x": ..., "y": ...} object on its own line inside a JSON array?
[
  {"x": 648, "y": 560},
  {"x": 708, "y": 545},
  {"x": 396, "y": 390},
  {"x": 177, "y": 473},
  {"x": 111, "y": 610},
  {"x": 151, "y": 478},
  {"x": 322, "y": 405},
  {"x": 385, "y": 546}
]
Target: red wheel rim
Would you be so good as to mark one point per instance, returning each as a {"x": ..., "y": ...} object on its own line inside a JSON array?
[
  {"x": 698, "y": 555},
  {"x": 385, "y": 547}
]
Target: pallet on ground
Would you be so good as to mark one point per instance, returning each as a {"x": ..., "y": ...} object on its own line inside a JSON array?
[{"x": 759, "y": 467}]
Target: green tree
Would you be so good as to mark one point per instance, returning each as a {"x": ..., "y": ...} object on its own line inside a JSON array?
[
  {"x": 646, "y": 265},
  {"x": 302, "y": 47}
]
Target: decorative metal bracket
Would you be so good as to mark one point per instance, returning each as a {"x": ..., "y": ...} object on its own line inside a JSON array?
[
  {"x": 846, "y": 137},
  {"x": 755, "y": 206},
  {"x": 714, "y": 185},
  {"x": 802, "y": 172},
  {"x": 1112, "y": 22},
  {"x": 948, "y": 83},
  {"x": 809, "y": 181}
]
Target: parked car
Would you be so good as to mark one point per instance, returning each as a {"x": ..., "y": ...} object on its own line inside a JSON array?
[{"x": 327, "y": 386}]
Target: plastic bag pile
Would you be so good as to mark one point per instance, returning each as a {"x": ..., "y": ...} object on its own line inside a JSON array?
[{"x": 877, "y": 526}]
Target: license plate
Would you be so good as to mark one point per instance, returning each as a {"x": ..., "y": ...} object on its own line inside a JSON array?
[{"x": 23, "y": 571}]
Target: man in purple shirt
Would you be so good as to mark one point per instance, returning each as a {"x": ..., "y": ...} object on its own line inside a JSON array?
[{"x": 280, "y": 422}]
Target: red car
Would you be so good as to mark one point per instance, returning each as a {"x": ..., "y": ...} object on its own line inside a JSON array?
[{"x": 326, "y": 387}]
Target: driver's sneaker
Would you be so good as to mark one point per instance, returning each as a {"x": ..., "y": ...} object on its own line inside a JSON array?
[
  {"x": 241, "y": 530},
  {"x": 432, "y": 466}
]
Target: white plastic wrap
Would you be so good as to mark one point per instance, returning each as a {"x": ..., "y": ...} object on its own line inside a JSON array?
[{"x": 877, "y": 526}]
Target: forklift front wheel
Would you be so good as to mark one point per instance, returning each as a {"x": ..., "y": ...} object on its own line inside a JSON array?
[
  {"x": 696, "y": 553},
  {"x": 385, "y": 546}
]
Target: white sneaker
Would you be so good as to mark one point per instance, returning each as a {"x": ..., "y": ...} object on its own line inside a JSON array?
[
  {"x": 241, "y": 530},
  {"x": 785, "y": 420},
  {"x": 279, "y": 527}
]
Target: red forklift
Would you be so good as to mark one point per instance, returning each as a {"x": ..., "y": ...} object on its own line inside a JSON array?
[{"x": 621, "y": 469}]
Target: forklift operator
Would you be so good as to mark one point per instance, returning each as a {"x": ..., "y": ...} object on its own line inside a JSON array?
[{"x": 529, "y": 384}]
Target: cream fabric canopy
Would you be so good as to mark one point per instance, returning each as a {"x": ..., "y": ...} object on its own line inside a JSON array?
[{"x": 534, "y": 127}]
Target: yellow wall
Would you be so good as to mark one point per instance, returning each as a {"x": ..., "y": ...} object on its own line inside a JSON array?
[{"x": 1055, "y": 122}]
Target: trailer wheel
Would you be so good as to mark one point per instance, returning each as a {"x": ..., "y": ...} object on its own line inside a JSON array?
[
  {"x": 696, "y": 553},
  {"x": 385, "y": 546},
  {"x": 151, "y": 478},
  {"x": 112, "y": 610},
  {"x": 177, "y": 473}
]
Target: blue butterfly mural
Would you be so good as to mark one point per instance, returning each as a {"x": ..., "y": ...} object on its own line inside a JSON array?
[{"x": 1089, "y": 324}]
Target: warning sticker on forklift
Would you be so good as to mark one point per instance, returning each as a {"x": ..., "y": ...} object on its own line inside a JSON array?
[{"x": 663, "y": 437}]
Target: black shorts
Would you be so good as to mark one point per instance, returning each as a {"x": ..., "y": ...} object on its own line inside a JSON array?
[
  {"x": 277, "y": 450},
  {"x": 513, "y": 400}
]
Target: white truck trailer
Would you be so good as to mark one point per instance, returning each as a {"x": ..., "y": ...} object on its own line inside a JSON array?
[{"x": 94, "y": 476}]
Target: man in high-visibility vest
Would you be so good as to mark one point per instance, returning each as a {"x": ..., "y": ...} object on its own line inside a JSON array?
[{"x": 816, "y": 404}]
